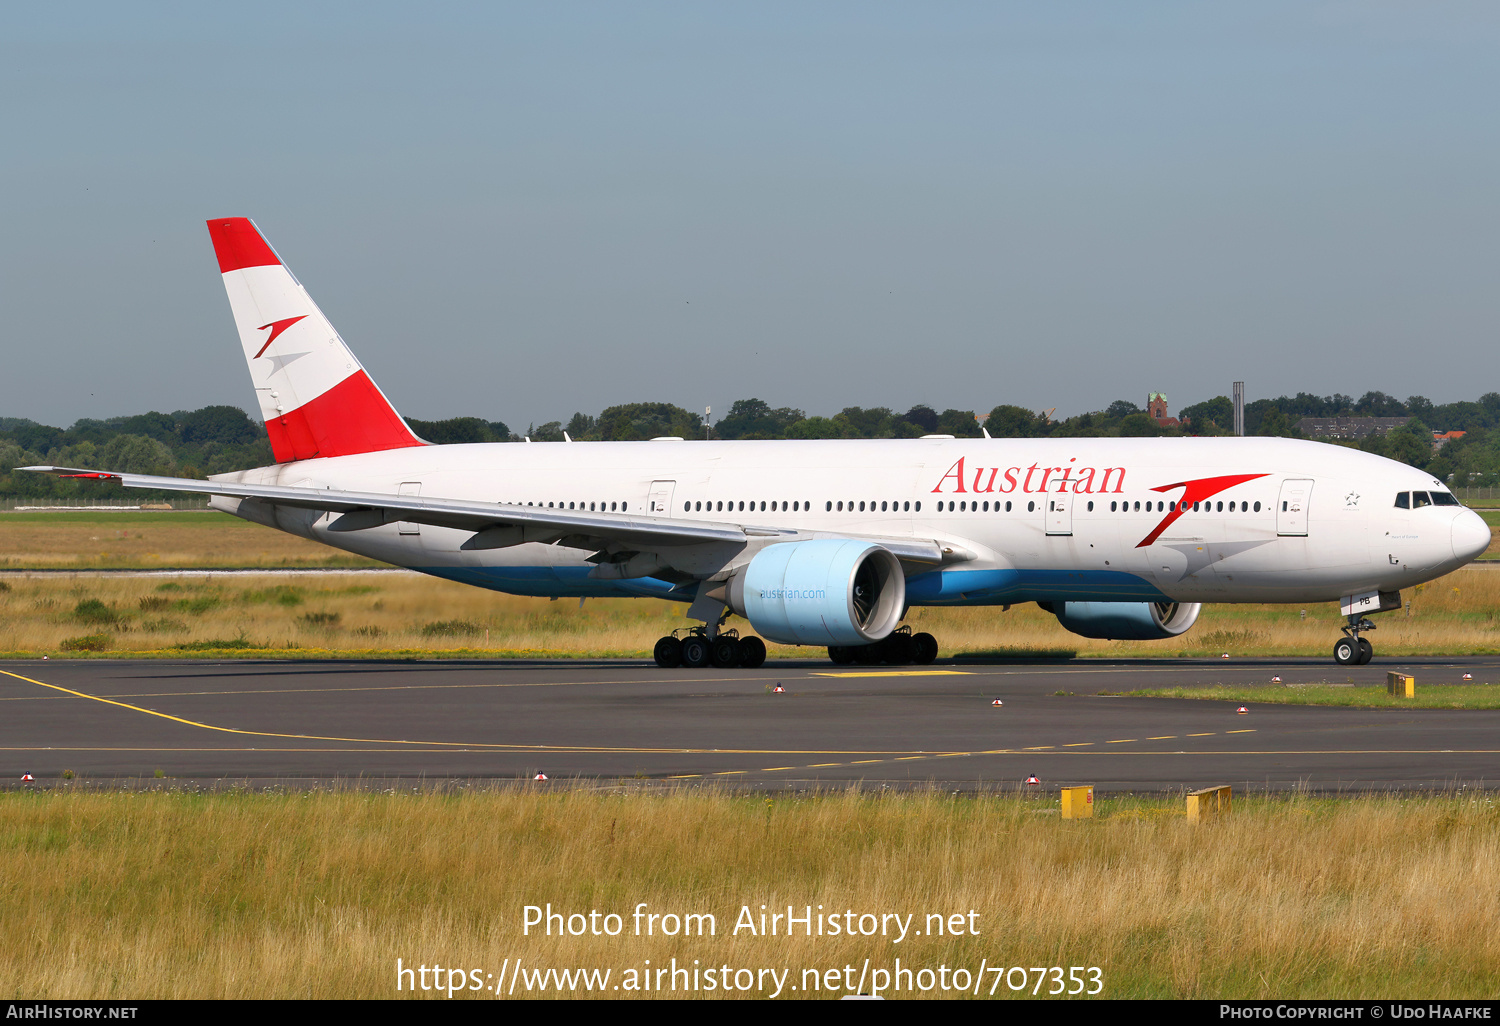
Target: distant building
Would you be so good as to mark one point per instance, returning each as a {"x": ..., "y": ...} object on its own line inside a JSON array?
[
  {"x": 1442, "y": 438},
  {"x": 1348, "y": 427},
  {"x": 1156, "y": 409}
]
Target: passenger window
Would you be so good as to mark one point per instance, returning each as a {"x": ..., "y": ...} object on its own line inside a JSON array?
[
  {"x": 919, "y": 506},
  {"x": 1403, "y": 500},
  {"x": 1257, "y": 507},
  {"x": 1007, "y": 505},
  {"x": 1221, "y": 507},
  {"x": 1031, "y": 507},
  {"x": 1091, "y": 506},
  {"x": 1420, "y": 499},
  {"x": 1137, "y": 506},
  {"x": 1445, "y": 499}
]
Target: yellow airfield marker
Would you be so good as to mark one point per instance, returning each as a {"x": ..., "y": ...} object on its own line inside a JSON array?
[{"x": 901, "y": 673}]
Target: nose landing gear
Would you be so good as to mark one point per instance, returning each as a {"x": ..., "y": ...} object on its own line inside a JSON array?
[{"x": 1351, "y": 649}]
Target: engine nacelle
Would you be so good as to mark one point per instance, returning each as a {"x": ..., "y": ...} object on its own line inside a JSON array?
[
  {"x": 828, "y": 591},
  {"x": 1127, "y": 621}
]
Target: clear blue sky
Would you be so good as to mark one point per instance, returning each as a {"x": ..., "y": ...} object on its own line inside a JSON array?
[{"x": 521, "y": 210}]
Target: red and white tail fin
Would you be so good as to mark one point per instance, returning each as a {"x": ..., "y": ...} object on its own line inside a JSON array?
[{"x": 314, "y": 396}]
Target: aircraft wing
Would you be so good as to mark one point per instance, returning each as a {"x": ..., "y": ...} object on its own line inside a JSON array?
[{"x": 497, "y": 524}]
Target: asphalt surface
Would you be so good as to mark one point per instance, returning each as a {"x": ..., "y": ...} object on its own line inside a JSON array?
[{"x": 299, "y": 723}]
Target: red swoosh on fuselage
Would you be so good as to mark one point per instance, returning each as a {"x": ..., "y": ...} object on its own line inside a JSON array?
[
  {"x": 1195, "y": 491},
  {"x": 277, "y": 327}
]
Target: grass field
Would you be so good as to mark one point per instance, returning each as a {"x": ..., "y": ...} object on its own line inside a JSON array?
[
  {"x": 145, "y": 540},
  {"x": 387, "y": 615},
  {"x": 1428, "y": 696},
  {"x": 415, "y": 615},
  {"x": 315, "y": 895}
]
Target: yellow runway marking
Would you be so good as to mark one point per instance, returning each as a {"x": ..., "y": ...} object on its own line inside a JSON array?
[
  {"x": 820, "y": 765},
  {"x": 1122, "y": 741},
  {"x": 776, "y": 769},
  {"x": 442, "y": 745},
  {"x": 1040, "y": 748},
  {"x": 908, "y": 758},
  {"x": 901, "y": 673},
  {"x": 729, "y": 773},
  {"x": 1164, "y": 737},
  {"x": 1209, "y": 734},
  {"x": 856, "y": 762},
  {"x": 1079, "y": 744},
  {"x": 406, "y": 687},
  {"x": 1250, "y": 731}
]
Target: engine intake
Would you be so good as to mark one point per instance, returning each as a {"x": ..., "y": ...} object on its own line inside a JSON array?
[
  {"x": 828, "y": 591},
  {"x": 1127, "y": 621}
]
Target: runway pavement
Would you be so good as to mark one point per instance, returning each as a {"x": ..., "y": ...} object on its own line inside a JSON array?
[{"x": 296, "y": 723}]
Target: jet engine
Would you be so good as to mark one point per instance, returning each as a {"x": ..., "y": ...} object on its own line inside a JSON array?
[
  {"x": 828, "y": 591},
  {"x": 1126, "y": 621}
]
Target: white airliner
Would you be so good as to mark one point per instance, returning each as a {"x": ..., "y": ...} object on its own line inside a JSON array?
[{"x": 824, "y": 543}]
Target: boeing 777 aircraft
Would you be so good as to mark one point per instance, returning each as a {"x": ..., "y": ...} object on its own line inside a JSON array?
[{"x": 824, "y": 543}]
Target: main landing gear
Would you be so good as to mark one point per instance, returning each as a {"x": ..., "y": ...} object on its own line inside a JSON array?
[
  {"x": 899, "y": 648},
  {"x": 1351, "y": 649},
  {"x": 693, "y": 647}
]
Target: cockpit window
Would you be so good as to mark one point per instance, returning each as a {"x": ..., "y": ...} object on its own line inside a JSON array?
[
  {"x": 1445, "y": 499},
  {"x": 1403, "y": 500},
  {"x": 1420, "y": 499}
]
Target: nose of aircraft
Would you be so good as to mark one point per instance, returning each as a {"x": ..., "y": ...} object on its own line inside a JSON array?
[{"x": 1471, "y": 535}]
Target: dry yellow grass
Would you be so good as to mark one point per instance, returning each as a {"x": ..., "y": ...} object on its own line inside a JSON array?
[
  {"x": 103, "y": 539},
  {"x": 171, "y": 895},
  {"x": 370, "y": 615}
]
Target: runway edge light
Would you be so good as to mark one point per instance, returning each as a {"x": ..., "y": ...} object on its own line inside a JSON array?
[
  {"x": 540, "y": 776},
  {"x": 1242, "y": 711},
  {"x": 1033, "y": 779},
  {"x": 1078, "y": 802},
  {"x": 997, "y": 703}
]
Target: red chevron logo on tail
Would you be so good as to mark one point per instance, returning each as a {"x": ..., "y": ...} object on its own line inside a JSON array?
[{"x": 277, "y": 327}]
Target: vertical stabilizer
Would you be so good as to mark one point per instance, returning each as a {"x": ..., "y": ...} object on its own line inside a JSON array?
[{"x": 314, "y": 396}]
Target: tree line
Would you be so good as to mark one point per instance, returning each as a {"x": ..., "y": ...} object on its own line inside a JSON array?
[{"x": 220, "y": 439}]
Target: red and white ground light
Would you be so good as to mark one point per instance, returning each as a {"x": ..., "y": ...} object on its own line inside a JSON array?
[
  {"x": 1468, "y": 676},
  {"x": 1242, "y": 710},
  {"x": 997, "y": 703},
  {"x": 27, "y": 776},
  {"x": 1033, "y": 779},
  {"x": 778, "y": 690},
  {"x": 1275, "y": 680},
  {"x": 540, "y": 776}
]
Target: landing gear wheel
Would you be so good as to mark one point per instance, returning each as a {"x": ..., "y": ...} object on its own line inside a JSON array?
[
  {"x": 898, "y": 649},
  {"x": 668, "y": 652},
  {"x": 725, "y": 652},
  {"x": 1346, "y": 652},
  {"x": 1366, "y": 651},
  {"x": 924, "y": 648},
  {"x": 694, "y": 651},
  {"x": 752, "y": 652},
  {"x": 841, "y": 655}
]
